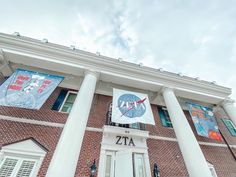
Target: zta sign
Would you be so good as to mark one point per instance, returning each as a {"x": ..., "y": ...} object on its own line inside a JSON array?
[{"x": 124, "y": 140}]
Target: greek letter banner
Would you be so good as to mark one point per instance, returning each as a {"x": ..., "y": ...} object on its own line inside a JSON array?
[
  {"x": 28, "y": 89},
  {"x": 131, "y": 107},
  {"x": 204, "y": 121}
]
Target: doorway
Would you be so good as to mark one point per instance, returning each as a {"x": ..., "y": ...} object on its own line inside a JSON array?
[{"x": 124, "y": 164}]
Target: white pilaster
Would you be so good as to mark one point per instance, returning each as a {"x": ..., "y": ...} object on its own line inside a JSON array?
[
  {"x": 230, "y": 109},
  {"x": 65, "y": 157},
  {"x": 190, "y": 149}
]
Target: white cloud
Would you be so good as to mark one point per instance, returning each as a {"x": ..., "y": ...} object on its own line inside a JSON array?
[{"x": 197, "y": 37}]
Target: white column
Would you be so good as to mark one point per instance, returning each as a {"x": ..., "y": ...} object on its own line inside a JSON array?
[
  {"x": 230, "y": 109},
  {"x": 193, "y": 157},
  {"x": 65, "y": 157}
]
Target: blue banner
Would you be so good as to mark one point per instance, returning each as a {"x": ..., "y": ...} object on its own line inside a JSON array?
[
  {"x": 204, "y": 121},
  {"x": 28, "y": 89}
]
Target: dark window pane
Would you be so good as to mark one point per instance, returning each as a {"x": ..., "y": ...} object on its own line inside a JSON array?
[
  {"x": 164, "y": 116},
  {"x": 56, "y": 106}
]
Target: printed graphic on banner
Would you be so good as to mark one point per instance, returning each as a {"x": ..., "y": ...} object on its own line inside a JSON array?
[
  {"x": 28, "y": 89},
  {"x": 131, "y": 107},
  {"x": 204, "y": 121}
]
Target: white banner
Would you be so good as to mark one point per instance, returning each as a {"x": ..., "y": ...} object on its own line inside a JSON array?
[{"x": 131, "y": 107}]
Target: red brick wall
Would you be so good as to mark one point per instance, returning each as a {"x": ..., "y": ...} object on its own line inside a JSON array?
[
  {"x": 90, "y": 150},
  {"x": 165, "y": 153},
  {"x": 222, "y": 159},
  {"x": 168, "y": 157},
  {"x": 170, "y": 161},
  {"x": 47, "y": 136}
]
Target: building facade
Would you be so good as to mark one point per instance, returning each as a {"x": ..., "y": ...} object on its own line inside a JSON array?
[{"x": 72, "y": 133}]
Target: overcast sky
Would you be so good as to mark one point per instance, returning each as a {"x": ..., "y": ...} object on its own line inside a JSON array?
[{"x": 194, "y": 37}]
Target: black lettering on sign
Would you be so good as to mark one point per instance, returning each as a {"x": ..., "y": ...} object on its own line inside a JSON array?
[
  {"x": 131, "y": 142},
  {"x": 118, "y": 140},
  {"x": 124, "y": 140}
]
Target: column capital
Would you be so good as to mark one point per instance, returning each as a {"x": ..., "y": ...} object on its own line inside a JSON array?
[
  {"x": 163, "y": 89},
  {"x": 92, "y": 72},
  {"x": 227, "y": 101}
]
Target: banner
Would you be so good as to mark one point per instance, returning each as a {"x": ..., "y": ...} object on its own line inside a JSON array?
[
  {"x": 28, "y": 89},
  {"x": 204, "y": 121},
  {"x": 131, "y": 107}
]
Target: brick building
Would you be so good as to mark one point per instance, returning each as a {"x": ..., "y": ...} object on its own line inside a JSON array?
[{"x": 70, "y": 131}]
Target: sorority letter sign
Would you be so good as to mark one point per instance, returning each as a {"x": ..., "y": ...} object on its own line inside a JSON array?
[{"x": 131, "y": 107}]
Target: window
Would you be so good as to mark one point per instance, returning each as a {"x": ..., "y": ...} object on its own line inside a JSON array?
[
  {"x": 19, "y": 167},
  {"x": 164, "y": 116},
  {"x": 139, "y": 126},
  {"x": 212, "y": 169},
  {"x": 68, "y": 102},
  {"x": 230, "y": 126},
  {"x": 21, "y": 159},
  {"x": 64, "y": 101},
  {"x": 109, "y": 164},
  {"x": 124, "y": 163},
  {"x": 139, "y": 165}
]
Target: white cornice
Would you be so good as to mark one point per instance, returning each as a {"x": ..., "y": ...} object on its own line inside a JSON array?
[{"x": 63, "y": 59}]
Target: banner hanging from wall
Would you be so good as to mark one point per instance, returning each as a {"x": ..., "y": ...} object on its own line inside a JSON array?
[
  {"x": 28, "y": 89},
  {"x": 204, "y": 121},
  {"x": 131, "y": 107}
]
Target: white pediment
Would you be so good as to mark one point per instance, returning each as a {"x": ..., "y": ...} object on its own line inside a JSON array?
[{"x": 27, "y": 146}]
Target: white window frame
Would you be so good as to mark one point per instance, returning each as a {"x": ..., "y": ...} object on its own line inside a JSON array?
[
  {"x": 230, "y": 121},
  {"x": 112, "y": 154},
  {"x": 69, "y": 92},
  {"x": 135, "y": 168},
  {"x": 21, "y": 153},
  {"x": 212, "y": 169}
]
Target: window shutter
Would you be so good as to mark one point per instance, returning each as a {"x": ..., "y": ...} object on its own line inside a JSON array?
[
  {"x": 7, "y": 167},
  {"x": 56, "y": 106},
  {"x": 230, "y": 126},
  {"x": 26, "y": 168}
]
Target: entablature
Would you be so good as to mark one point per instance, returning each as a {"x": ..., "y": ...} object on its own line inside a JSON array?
[{"x": 31, "y": 53}]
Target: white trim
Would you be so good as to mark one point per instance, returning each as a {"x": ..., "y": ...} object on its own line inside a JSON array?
[
  {"x": 63, "y": 59},
  {"x": 168, "y": 138},
  {"x": 212, "y": 169},
  {"x": 163, "y": 138},
  {"x": 93, "y": 129},
  {"x": 102, "y": 162},
  {"x": 232, "y": 146},
  {"x": 30, "y": 121},
  {"x": 212, "y": 144}
]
